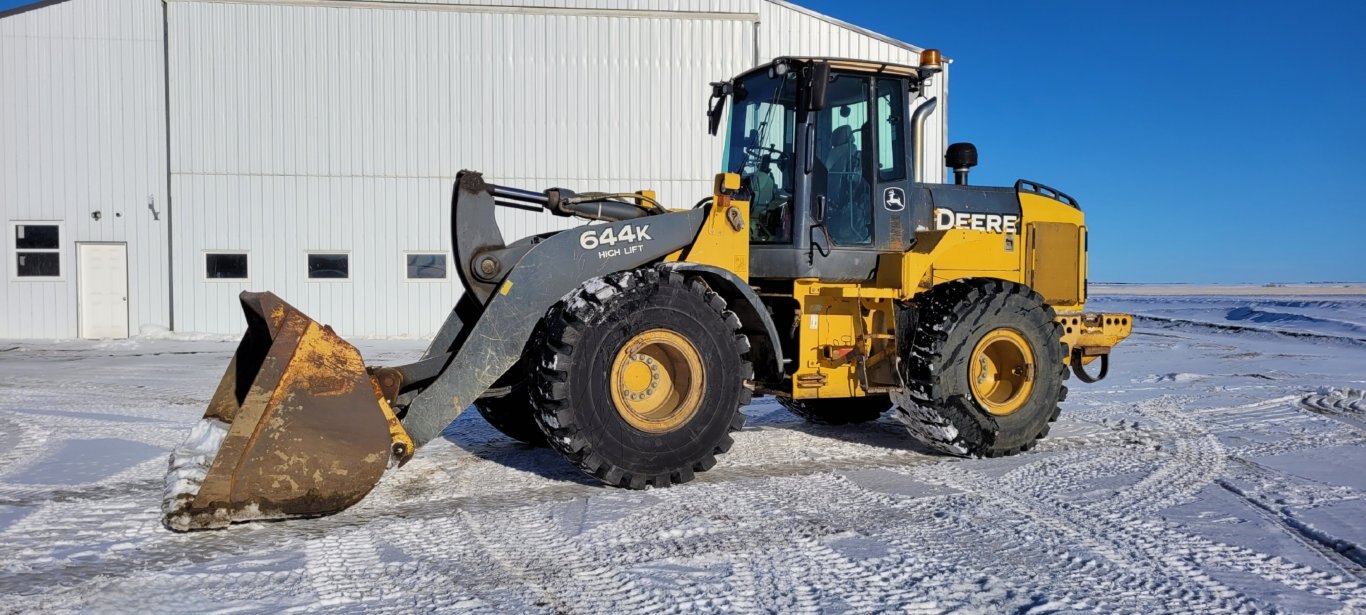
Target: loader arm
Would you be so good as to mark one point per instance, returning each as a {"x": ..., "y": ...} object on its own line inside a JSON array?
[
  {"x": 300, "y": 427},
  {"x": 547, "y": 269}
]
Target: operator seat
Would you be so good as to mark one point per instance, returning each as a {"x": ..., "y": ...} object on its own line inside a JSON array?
[{"x": 845, "y": 218}]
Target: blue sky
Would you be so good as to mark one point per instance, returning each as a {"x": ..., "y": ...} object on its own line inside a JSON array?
[{"x": 1207, "y": 141}]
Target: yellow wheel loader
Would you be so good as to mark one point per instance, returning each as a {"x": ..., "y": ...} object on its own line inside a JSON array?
[{"x": 822, "y": 271}]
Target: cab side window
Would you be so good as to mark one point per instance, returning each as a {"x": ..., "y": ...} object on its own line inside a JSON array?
[
  {"x": 843, "y": 142},
  {"x": 891, "y": 131}
]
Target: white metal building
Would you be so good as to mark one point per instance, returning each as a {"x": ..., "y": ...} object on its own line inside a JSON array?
[{"x": 157, "y": 157}]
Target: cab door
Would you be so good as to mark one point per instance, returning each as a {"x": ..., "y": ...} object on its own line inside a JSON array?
[
  {"x": 862, "y": 181},
  {"x": 892, "y": 193},
  {"x": 842, "y": 181},
  {"x": 850, "y": 190}
]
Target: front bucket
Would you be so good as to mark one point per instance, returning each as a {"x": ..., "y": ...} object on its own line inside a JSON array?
[{"x": 296, "y": 428}]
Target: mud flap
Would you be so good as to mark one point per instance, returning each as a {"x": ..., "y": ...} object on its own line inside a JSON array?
[{"x": 296, "y": 428}]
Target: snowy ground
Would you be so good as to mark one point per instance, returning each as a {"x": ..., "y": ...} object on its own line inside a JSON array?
[{"x": 1220, "y": 468}]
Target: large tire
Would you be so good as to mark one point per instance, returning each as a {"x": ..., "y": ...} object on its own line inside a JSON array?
[
  {"x": 845, "y": 411},
  {"x": 958, "y": 327},
  {"x": 600, "y": 332}
]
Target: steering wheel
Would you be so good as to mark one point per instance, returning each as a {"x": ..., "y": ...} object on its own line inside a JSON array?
[{"x": 761, "y": 153}]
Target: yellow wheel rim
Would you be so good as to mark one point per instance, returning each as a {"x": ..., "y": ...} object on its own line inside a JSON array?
[
  {"x": 1002, "y": 371},
  {"x": 656, "y": 381}
]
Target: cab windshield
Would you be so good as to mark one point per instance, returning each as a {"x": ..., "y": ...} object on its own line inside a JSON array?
[{"x": 759, "y": 148}]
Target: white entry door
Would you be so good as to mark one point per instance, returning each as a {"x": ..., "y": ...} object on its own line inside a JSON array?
[{"x": 102, "y": 279}]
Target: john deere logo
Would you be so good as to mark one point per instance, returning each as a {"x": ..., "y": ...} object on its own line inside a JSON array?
[
  {"x": 894, "y": 199},
  {"x": 945, "y": 219}
]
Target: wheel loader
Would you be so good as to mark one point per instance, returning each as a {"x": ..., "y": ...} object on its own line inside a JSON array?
[{"x": 822, "y": 271}]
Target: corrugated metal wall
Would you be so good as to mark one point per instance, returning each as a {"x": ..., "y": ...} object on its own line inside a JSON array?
[
  {"x": 340, "y": 125},
  {"x": 304, "y": 128},
  {"x": 82, "y": 129}
]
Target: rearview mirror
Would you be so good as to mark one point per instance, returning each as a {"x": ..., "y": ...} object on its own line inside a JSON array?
[
  {"x": 820, "y": 78},
  {"x": 717, "y": 105}
]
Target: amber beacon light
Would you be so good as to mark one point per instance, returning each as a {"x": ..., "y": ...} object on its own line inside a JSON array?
[{"x": 930, "y": 60}]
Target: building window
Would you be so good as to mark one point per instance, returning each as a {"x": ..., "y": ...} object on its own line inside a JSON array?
[
  {"x": 329, "y": 266},
  {"x": 37, "y": 250},
  {"x": 427, "y": 266},
  {"x": 225, "y": 265}
]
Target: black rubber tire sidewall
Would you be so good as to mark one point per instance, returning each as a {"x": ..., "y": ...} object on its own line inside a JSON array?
[
  {"x": 513, "y": 415},
  {"x": 578, "y": 413},
  {"x": 1017, "y": 312}
]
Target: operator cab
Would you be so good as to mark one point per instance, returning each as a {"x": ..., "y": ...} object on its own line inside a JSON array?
[{"x": 822, "y": 148}]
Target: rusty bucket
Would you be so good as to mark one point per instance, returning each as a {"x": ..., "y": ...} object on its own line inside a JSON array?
[{"x": 296, "y": 428}]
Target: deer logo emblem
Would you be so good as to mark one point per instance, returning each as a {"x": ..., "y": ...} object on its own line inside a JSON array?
[{"x": 894, "y": 199}]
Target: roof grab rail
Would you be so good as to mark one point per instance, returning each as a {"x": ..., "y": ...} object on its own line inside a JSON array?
[{"x": 1025, "y": 185}]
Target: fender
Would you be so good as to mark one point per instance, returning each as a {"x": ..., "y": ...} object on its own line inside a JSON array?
[{"x": 755, "y": 321}]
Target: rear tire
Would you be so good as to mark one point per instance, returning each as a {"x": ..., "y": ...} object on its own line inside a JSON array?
[
  {"x": 846, "y": 411},
  {"x": 513, "y": 415},
  {"x": 642, "y": 378},
  {"x": 964, "y": 331}
]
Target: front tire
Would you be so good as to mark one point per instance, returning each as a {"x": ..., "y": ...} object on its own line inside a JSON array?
[
  {"x": 984, "y": 371},
  {"x": 642, "y": 378}
]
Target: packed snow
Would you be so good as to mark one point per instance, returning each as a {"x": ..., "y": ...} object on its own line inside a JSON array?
[
  {"x": 188, "y": 466},
  {"x": 1217, "y": 469}
]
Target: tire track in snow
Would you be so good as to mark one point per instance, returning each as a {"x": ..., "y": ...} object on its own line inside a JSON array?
[
  {"x": 1045, "y": 559},
  {"x": 1297, "y": 443},
  {"x": 134, "y": 510},
  {"x": 569, "y": 574},
  {"x": 1349, "y": 558},
  {"x": 341, "y": 569},
  {"x": 1347, "y": 406},
  {"x": 1127, "y": 554},
  {"x": 1124, "y": 555},
  {"x": 1196, "y": 461},
  {"x": 1184, "y": 471},
  {"x": 1121, "y": 526},
  {"x": 800, "y": 532}
]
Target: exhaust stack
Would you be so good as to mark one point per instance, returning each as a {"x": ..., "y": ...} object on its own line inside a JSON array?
[{"x": 918, "y": 138}]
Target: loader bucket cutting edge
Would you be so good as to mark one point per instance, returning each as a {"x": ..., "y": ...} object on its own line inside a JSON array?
[{"x": 296, "y": 428}]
